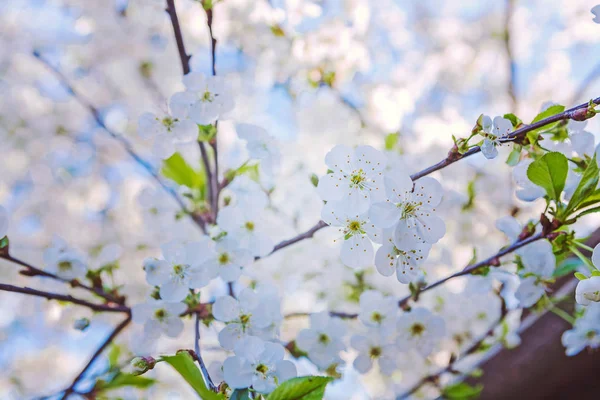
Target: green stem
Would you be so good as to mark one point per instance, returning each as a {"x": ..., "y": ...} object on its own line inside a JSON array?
[
  {"x": 583, "y": 258},
  {"x": 563, "y": 314},
  {"x": 582, "y": 245}
]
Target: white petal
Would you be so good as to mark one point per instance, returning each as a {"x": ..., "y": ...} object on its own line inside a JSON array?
[
  {"x": 332, "y": 187},
  {"x": 186, "y": 130},
  {"x": 230, "y": 335},
  {"x": 429, "y": 191},
  {"x": 226, "y": 309},
  {"x": 397, "y": 186},
  {"x": 596, "y": 256},
  {"x": 285, "y": 370},
  {"x": 385, "y": 260},
  {"x": 340, "y": 158},
  {"x": 148, "y": 126},
  {"x": 489, "y": 150},
  {"x": 357, "y": 252},
  {"x": 237, "y": 373},
  {"x": 384, "y": 215},
  {"x": 174, "y": 291},
  {"x": 180, "y": 104},
  {"x": 363, "y": 363},
  {"x": 369, "y": 159},
  {"x": 173, "y": 327}
]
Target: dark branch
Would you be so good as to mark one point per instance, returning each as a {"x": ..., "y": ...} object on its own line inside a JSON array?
[
  {"x": 61, "y": 297},
  {"x": 98, "y": 352},
  {"x": 305, "y": 235}
]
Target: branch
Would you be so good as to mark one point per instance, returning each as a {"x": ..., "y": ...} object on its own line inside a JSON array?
[
  {"x": 305, "y": 235},
  {"x": 124, "y": 142},
  {"x": 490, "y": 261},
  {"x": 185, "y": 66},
  {"x": 575, "y": 113},
  {"x": 205, "y": 373},
  {"x": 99, "y": 351},
  {"x": 61, "y": 297},
  {"x": 30, "y": 270}
]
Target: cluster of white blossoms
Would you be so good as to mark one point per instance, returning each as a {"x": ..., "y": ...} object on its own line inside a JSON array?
[
  {"x": 588, "y": 290},
  {"x": 205, "y": 99},
  {"x": 585, "y": 332},
  {"x": 371, "y": 203}
]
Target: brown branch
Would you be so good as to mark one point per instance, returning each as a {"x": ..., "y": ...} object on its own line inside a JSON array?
[
  {"x": 490, "y": 261},
  {"x": 577, "y": 113},
  {"x": 305, "y": 235},
  {"x": 70, "y": 390},
  {"x": 30, "y": 270},
  {"x": 124, "y": 142},
  {"x": 205, "y": 373},
  {"x": 67, "y": 298}
]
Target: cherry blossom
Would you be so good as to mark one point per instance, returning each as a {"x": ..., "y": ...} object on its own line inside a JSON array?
[
  {"x": 251, "y": 314},
  {"x": 356, "y": 230},
  {"x": 323, "y": 340},
  {"x": 159, "y": 317},
  {"x": 247, "y": 226},
  {"x": 405, "y": 260},
  {"x": 261, "y": 146},
  {"x": 421, "y": 330},
  {"x": 206, "y": 99},
  {"x": 493, "y": 131},
  {"x": 377, "y": 311},
  {"x": 166, "y": 131},
  {"x": 357, "y": 178},
  {"x": 374, "y": 347},
  {"x": 530, "y": 290},
  {"x": 64, "y": 261},
  {"x": 257, "y": 364}
]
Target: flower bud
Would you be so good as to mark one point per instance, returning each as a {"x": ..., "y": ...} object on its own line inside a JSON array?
[
  {"x": 142, "y": 365},
  {"x": 81, "y": 324}
]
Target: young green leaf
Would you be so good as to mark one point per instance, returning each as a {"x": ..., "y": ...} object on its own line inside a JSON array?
[
  {"x": 514, "y": 120},
  {"x": 550, "y": 173},
  {"x": 185, "y": 365},
  {"x": 580, "y": 276},
  {"x": 586, "y": 190},
  {"x": 513, "y": 157},
  {"x": 121, "y": 380},
  {"x": 302, "y": 388},
  {"x": 461, "y": 391},
  {"x": 390, "y": 141},
  {"x": 240, "y": 394},
  {"x": 179, "y": 171},
  {"x": 566, "y": 267},
  {"x": 547, "y": 113}
]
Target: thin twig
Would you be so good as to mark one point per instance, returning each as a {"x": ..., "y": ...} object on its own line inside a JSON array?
[
  {"x": 454, "y": 156},
  {"x": 30, "y": 270},
  {"x": 490, "y": 261},
  {"x": 305, "y": 235},
  {"x": 62, "y": 297},
  {"x": 205, "y": 373},
  {"x": 124, "y": 142},
  {"x": 98, "y": 352}
]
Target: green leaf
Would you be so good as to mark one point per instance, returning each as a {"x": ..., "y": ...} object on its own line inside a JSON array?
[
  {"x": 122, "y": 379},
  {"x": 461, "y": 391},
  {"x": 240, "y": 394},
  {"x": 185, "y": 365},
  {"x": 550, "y": 173},
  {"x": 314, "y": 179},
  {"x": 514, "y": 120},
  {"x": 513, "y": 157},
  {"x": 4, "y": 246},
  {"x": 595, "y": 273},
  {"x": 591, "y": 199},
  {"x": 302, "y": 388},
  {"x": 179, "y": 171},
  {"x": 586, "y": 188},
  {"x": 113, "y": 356},
  {"x": 547, "y": 113},
  {"x": 390, "y": 141},
  {"x": 580, "y": 276},
  {"x": 589, "y": 211}
]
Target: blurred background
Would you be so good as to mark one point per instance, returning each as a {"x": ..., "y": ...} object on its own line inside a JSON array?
[{"x": 315, "y": 74}]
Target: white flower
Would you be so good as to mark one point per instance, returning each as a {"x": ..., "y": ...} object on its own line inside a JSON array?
[
  {"x": 539, "y": 259},
  {"x": 588, "y": 290},
  {"x": 258, "y": 364},
  {"x": 227, "y": 261},
  {"x": 585, "y": 332},
  {"x": 166, "y": 131},
  {"x": 323, "y": 341},
  {"x": 4, "y": 219},
  {"x": 206, "y": 99},
  {"x": 356, "y": 181},
  {"x": 420, "y": 330},
  {"x": 357, "y": 249},
  {"x": 596, "y": 11},
  {"x": 405, "y": 261},
  {"x": 530, "y": 290},
  {"x": 494, "y": 131},
  {"x": 65, "y": 262},
  {"x": 529, "y": 191},
  {"x": 248, "y": 192},
  {"x": 412, "y": 213},
  {"x": 260, "y": 145},
  {"x": 159, "y": 317},
  {"x": 375, "y": 346},
  {"x": 252, "y": 314},
  {"x": 247, "y": 226},
  {"x": 377, "y": 311},
  {"x": 179, "y": 270}
]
